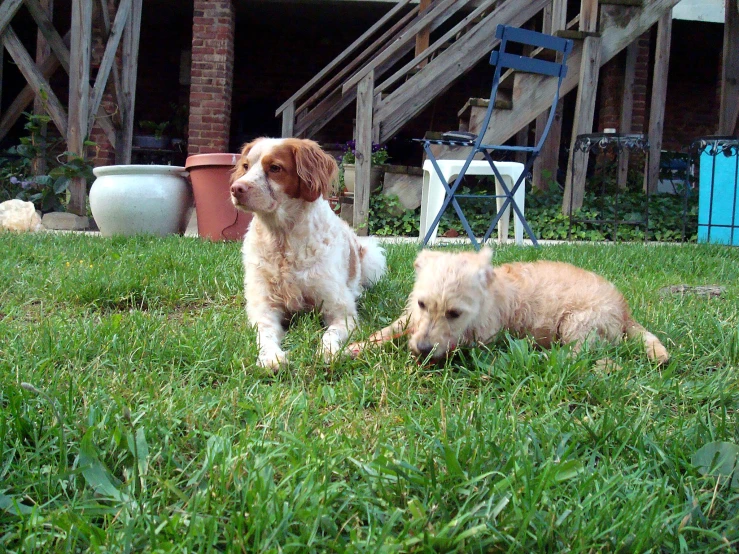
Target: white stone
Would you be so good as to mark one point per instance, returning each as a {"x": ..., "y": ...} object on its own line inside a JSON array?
[
  {"x": 17, "y": 215},
  {"x": 63, "y": 221}
]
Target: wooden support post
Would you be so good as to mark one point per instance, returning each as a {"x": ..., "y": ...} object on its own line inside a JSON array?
[
  {"x": 108, "y": 60},
  {"x": 555, "y": 19},
  {"x": 657, "y": 103},
  {"x": 584, "y": 112},
  {"x": 422, "y": 38},
  {"x": 288, "y": 120},
  {"x": 79, "y": 96},
  {"x": 130, "y": 61},
  {"x": 8, "y": 9},
  {"x": 363, "y": 137},
  {"x": 116, "y": 70},
  {"x": 43, "y": 51},
  {"x": 729, "y": 114},
  {"x": 627, "y": 109}
]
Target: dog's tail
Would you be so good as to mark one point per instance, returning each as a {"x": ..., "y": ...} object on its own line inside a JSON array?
[
  {"x": 372, "y": 260},
  {"x": 656, "y": 351}
]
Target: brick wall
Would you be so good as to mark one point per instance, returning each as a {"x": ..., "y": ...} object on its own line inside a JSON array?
[
  {"x": 211, "y": 76},
  {"x": 103, "y": 153}
]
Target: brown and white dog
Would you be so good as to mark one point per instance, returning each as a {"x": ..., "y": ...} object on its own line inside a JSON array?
[
  {"x": 462, "y": 299},
  {"x": 298, "y": 254}
]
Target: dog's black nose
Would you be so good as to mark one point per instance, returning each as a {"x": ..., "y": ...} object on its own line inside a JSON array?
[{"x": 425, "y": 348}]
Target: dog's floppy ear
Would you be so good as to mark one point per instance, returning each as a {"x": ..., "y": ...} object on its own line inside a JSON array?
[
  {"x": 316, "y": 170},
  {"x": 238, "y": 170},
  {"x": 486, "y": 273}
]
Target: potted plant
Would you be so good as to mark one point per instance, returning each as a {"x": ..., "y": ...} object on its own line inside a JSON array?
[
  {"x": 157, "y": 139},
  {"x": 141, "y": 199},
  {"x": 348, "y": 165}
]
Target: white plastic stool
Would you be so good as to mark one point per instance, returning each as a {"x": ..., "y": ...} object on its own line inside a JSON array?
[{"x": 433, "y": 193}]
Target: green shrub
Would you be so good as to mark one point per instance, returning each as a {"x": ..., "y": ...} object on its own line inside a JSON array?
[{"x": 17, "y": 174}]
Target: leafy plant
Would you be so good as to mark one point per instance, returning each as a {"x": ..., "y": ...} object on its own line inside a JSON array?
[
  {"x": 18, "y": 178},
  {"x": 379, "y": 154},
  {"x": 156, "y": 128}
]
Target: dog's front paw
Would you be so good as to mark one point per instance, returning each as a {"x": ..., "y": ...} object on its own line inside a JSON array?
[{"x": 274, "y": 360}]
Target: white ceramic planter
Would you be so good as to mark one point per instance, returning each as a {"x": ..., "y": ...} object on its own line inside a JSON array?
[{"x": 140, "y": 199}]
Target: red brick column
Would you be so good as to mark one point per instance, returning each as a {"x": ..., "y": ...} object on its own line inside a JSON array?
[
  {"x": 211, "y": 76},
  {"x": 103, "y": 153},
  {"x": 611, "y": 90}
]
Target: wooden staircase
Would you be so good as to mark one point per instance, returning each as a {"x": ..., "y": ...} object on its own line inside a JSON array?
[{"x": 391, "y": 86}]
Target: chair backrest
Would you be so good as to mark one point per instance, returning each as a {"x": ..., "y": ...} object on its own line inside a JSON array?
[{"x": 502, "y": 59}]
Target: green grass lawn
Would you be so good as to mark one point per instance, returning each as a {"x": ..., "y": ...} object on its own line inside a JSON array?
[{"x": 146, "y": 427}]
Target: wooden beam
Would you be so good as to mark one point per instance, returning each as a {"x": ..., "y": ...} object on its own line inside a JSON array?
[
  {"x": 422, "y": 38},
  {"x": 339, "y": 60},
  {"x": 627, "y": 109},
  {"x": 555, "y": 19},
  {"x": 46, "y": 28},
  {"x": 116, "y": 70},
  {"x": 79, "y": 96},
  {"x": 659, "y": 95},
  {"x": 618, "y": 33},
  {"x": 441, "y": 11},
  {"x": 130, "y": 61},
  {"x": 8, "y": 9},
  {"x": 43, "y": 51},
  {"x": 729, "y": 111},
  {"x": 108, "y": 60},
  {"x": 26, "y": 96},
  {"x": 583, "y": 124},
  {"x": 415, "y": 94},
  {"x": 589, "y": 16},
  {"x": 365, "y": 100},
  {"x": 288, "y": 121},
  {"x": 35, "y": 79}
]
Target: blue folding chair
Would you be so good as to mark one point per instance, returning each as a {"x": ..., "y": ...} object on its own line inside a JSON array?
[{"x": 501, "y": 59}]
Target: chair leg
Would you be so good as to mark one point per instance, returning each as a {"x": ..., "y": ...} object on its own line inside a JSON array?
[{"x": 450, "y": 191}]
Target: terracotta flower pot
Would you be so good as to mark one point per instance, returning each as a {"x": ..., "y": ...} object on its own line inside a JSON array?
[{"x": 218, "y": 219}]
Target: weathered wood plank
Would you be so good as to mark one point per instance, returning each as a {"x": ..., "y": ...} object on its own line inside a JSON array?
[
  {"x": 35, "y": 79},
  {"x": 365, "y": 100},
  {"x": 439, "y": 13},
  {"x": 618, "y": 32},
  {"x": 108, "y": 60},
  {"x": 43, "y": 51},
  {"x": 627, "y": 109},
  {"x": 415, "y": 94},
  {"x": 79, "y": 96},
  {"x": 54, "y": 40},
  {"x": 422, "y": 38},
  {"x": 116, "y": 69},
  {"x": 26, "y": 96},
  {"x": 339, "y": 60},
  {"x": 589, "y": 16},
  {"x": 437, "y": 45},
  {"x": 8, "y": 9},
  {"x": 659, "y": 95},
  {"x": 584, "y": 112},
  {"x": 288, "y": 120},
  {"x": 729, "y": 111},
  {"x": 368, "y": 53},
  {"x": 130, "y": 60},
  {"x": 547, "y": 163}
]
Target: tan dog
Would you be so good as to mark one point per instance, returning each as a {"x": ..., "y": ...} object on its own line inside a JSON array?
[{"x": 461, "y": 299}]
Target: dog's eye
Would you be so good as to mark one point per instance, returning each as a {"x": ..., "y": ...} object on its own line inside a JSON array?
[
  {"x": 274, "y": 168},
  {"x": 452, "y": 314},
  {"x": 245, "y": 165},
  {"x": 422, "y": 304}
]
